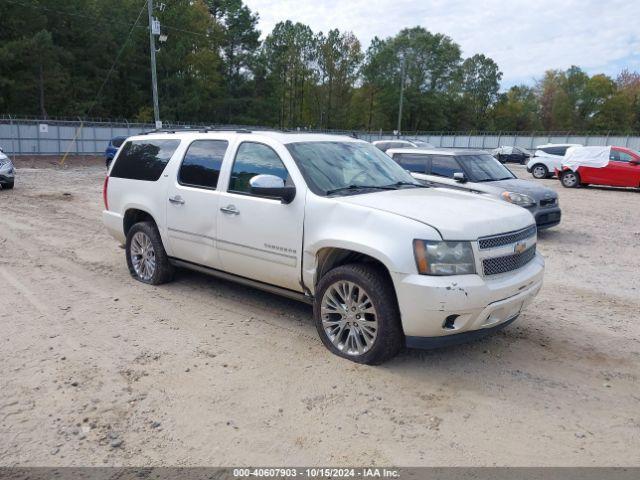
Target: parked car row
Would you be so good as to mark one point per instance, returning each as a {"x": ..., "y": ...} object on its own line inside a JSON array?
[
  {"x": 609, "y": 166},
  {"x": 385, "y": 259},
  {"x": 547, "y": 158},
  {"x": 576, "y": 165}
]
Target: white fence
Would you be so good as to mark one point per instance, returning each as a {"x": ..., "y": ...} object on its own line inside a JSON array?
[{"x": 56, "y": 137}]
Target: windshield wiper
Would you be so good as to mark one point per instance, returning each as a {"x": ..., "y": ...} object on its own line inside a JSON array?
[
  {"x": 402, "y": 184},
  {"x": 360, "y": 187}
]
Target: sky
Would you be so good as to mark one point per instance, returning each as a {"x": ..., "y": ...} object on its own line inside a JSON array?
[{"x": 525, "y": 38}]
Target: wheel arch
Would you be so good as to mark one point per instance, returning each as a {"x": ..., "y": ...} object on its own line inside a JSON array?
[
  {"x": 134, "y": 215},
  {"x": 328, "y": 258}
]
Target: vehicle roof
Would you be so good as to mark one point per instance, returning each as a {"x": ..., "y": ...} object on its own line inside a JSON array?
[
  {"x": 282, "y": 137},
  {"x": 438, "y": 151},
  {"x": 559, "y": 145},
  {"x": 393, "y": 140}
]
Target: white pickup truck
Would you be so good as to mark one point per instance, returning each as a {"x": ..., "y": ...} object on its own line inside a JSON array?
[{"x": 329, "y": 220}]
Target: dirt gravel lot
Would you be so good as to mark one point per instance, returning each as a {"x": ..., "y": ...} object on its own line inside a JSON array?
[{"x": 96, "y": 368}]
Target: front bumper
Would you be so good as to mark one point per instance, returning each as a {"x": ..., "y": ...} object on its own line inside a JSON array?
[
  {"x": 547, "y": 217},
  {"x": 440, "y": 307}
]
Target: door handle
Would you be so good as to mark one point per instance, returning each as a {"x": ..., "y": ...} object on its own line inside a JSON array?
[
  {"x": 176, "y": 200},
  {"x": 230, "y": 210}
]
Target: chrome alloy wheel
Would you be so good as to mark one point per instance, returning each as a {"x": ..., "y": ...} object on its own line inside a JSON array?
[
  {"x": 349, "y": 318},
  {"x": 143, "y": 256}
]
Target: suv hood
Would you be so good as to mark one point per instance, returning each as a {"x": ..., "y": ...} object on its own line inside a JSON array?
[
  {"x": 533, "y": 189},
  {"x": 456, "y": 215}
]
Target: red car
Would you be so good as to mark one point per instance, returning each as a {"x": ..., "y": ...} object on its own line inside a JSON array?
[{"x": 622, "y": 170}]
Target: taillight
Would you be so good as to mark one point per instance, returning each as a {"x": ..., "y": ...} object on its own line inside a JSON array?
[{"x": 104, "y": 192}]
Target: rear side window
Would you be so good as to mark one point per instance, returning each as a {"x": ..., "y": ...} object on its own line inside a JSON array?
[
  {"x": 555, "y": 150},
  {"x": 201, "y": 164},
  {"x": 255, "y": 159},
  {"x": 144, "y": 159},
  {"x": 444, "y": 166},
  {"x": 413, "y": 163}
]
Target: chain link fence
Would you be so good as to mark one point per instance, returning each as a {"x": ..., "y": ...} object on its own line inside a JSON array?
[{"x": 34, "y": 136}]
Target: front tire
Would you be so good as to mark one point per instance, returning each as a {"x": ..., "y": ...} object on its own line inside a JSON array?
[
  {"x": 8, "y": 186},
  {"x": 570, "y": 179},
  {"x": 356, "y": 314},
  {"x": 146, "y": 258},
  {"x": 539, "y": 171}
]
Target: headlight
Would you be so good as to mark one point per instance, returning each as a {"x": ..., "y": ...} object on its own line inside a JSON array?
[
  {"x": 518, "y": 199},
  {"x": 443, "y": 258}
]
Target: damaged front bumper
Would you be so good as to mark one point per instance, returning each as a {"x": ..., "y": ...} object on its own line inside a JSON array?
[{"x": 438, "y": 311}]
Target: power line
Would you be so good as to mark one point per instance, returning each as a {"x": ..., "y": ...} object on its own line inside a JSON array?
[{"x": 106, "y": 79}]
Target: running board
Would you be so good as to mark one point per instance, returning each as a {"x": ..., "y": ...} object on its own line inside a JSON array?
[{"x": 283, "y": 292}]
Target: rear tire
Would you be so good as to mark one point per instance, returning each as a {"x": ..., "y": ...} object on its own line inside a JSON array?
[
  {"x": 539, "y": 171},
  {"x": 146, "y": 257},
  {"x": 356, "y": 314},
  {"x": 570, "y": 179}
]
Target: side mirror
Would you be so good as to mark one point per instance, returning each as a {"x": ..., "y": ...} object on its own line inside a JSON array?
[
  {"x": 272, "y": 186},
  {"x": 631, "y": 162},
  {"x": 1, "y": 150},
  {"x": 460, "y": 177}
]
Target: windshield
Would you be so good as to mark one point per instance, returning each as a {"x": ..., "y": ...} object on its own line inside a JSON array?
[
  {"x": 484, "y": 168},
  {"x": 422, "y": 144},
  {"x": 353, "y": 166}
]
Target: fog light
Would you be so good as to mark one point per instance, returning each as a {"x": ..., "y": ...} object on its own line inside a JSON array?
[{"x": 450, "y": 322}]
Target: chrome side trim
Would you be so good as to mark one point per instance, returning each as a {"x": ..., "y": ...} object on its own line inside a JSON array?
[
  {"x": 271, "y": 252},
  {"x": 284, "y": 292}
]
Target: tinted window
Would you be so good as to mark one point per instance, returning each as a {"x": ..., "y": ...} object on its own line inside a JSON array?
[
  {"x": 411, "y": 162},
  {"x": 444, "y": 166},
  {"x": 144, "y": 159},
  {"x": 484, "y": 168},
  {"x": 399, "y": 145},
  {"x": 255, "y": 159},
  {"x": 201, "y": 164},
  {"x": 555, "y": 150},
  {"x": 384, "y": 146},
  {"x": 620, "y": 156}
]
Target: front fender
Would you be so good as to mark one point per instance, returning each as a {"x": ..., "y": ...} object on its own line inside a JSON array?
[{"x": 384, "y": 236}]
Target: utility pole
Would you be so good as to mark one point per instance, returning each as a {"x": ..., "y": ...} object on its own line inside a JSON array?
[
  {"x": 154, "y": 75},
  {"x": 401, "y": 95}
]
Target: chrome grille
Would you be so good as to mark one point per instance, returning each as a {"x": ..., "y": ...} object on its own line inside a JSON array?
[
  {"x": 506, "y": 238},
  {"x": 507, "y": 263}
]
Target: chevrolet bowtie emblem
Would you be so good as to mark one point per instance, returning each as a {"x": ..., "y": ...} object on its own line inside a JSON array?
[{"x": 520, "y": 247}]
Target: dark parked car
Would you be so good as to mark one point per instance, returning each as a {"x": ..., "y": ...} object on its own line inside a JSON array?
[
  {"x": 512, "y": 154},
  {"x": 112, "y": 148}
]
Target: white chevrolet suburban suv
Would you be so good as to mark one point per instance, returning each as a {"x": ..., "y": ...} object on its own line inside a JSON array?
[{"x": 329, "y": 220}]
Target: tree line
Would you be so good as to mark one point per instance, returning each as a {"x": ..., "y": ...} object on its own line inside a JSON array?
[{"x": 91, "y": 58}]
